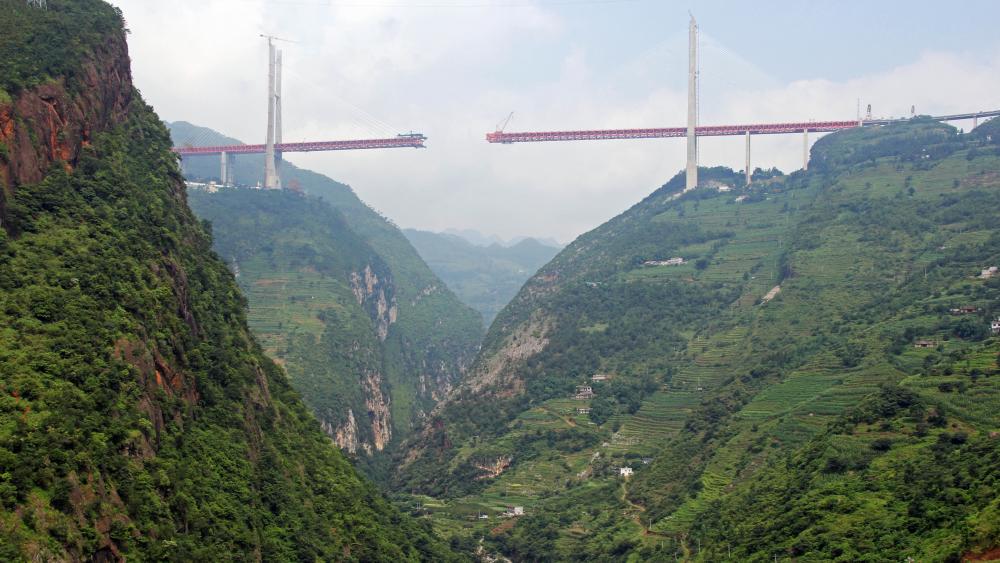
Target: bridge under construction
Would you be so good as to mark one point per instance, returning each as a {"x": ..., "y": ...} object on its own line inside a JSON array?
[
  {"x": 693, "y": 130},
  {"x": 273, "y": 147}
]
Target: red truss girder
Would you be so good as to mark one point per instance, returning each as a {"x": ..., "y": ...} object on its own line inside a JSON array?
[
  {"x": 663, "y": 132},
  {"x": 415, "y": 141}
]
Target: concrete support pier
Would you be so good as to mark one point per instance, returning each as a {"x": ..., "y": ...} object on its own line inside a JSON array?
[
  {"x": 748, "y": 159},
  {"x": 692, "y": 138},
  {"x": 805, "y": 149}
]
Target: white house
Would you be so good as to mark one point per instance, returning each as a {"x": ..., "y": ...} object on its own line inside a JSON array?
[
  {"x": 599, "y": 377},
  {"x": 625, "y": 471},
  {"x": 989, "y": 272},
  {"x": 675, "y": 261},
  {"x": 513, "y": 511},
  {"x": 995, "y": 327}
]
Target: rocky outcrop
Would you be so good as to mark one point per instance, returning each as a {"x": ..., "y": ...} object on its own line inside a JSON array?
[
  {"x": 377, "y": 296},
  {"x": 499, "y": 371},
  {"x": 379, "y": 421},
  {"x": 54, "y": 121},
  {"x": 378, "y": 411},
  {"x": 345, "y": 436},
  {"x": 494, "y": 467}
]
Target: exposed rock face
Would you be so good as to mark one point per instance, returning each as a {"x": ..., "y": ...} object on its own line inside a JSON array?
[
  {"x": 379, "y": 420},
  {"x": 346, "y": 436},
  {"x": 377, "y": 296},
  {"x": 53, "y": 122},
  {"x": 378, "y": 411},
  {"x": 495, "y": 467},
  {"x": 500, "y": 370}
]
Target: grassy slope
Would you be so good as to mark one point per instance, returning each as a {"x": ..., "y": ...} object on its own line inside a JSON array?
[
  {"x": 860, "y": 258},
  {"x": 138, "y": 416},
  {"x": 485, "y": 277}
]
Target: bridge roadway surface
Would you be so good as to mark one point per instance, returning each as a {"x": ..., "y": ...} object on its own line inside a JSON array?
[
  {"x": 416, "y": 140},
  {"x": 412, "y": 140},
  {"x": 712, "y": 130}
]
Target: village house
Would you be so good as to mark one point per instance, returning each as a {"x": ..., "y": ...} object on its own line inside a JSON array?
[
  {"x": 583, "y": 410},
  {"x": 989, "y": 272},
  {"x": 675, "y": 261},
  {"x": 924, "y": 344},
  {"x": 625, "y": 471},
  {"x": 598, "y": 377},
  {"x": 584, "y": 392},
  {"x": 513, "y": 511},
  {"x": 964, "y": 310},
  {"x": 995, "y": 326}
]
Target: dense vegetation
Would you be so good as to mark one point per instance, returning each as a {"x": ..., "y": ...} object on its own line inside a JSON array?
[
  {"x": 484, "y": 277},
  {"x": 138, "y": 417},
  {"x": 41, "y": 45},
  {"x": 768, "y": 393}
]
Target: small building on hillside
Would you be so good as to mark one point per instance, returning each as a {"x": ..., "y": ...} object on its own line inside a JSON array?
[
  {"x": 625, "y": 471},
  {"x": 675, "y": 261},
  {"x": 924, "y": 344},
  {"x": 995, "y": 326},
  {"x": 584, "y": 392},
  {"x": 583, "y": 410},
  {"x": 988, "y": 272},
  {"x": 598, "y": 377},
  {"x": 513, "y": 511},
  {"x": 964, "y": 310}
]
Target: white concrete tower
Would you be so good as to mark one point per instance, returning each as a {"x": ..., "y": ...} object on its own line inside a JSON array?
[
  {"x": 277, "y": 116},
  {"x": 270, "y": 170},
  {"x": 692, "y": 138}
]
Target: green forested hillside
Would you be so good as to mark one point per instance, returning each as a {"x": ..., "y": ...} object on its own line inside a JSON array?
[
  {"x": 767, "y": 393},
  {"x": 484, "y": 277},
  {"x": 139, "y": 419},
  {"x": 328, "y": 307}
]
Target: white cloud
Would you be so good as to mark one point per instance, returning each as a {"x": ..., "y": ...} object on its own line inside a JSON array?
[{"x": 452, "y": 74}]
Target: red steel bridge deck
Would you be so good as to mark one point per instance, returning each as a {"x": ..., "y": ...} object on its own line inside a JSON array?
[
  {"x": 709, "y": 130},
  {"x": 414, "y": 140}
]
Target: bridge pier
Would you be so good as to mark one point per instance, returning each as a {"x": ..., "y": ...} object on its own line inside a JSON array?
[
  {"x": 748, "y": 158},
  {"x": 805, "y": 149},
  {"x": 226, "y": 169},
  {"x": 691, "y": 172},
  {"x": 975, "y": 121}
]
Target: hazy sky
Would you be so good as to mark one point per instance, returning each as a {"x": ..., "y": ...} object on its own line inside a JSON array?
[{"x": 452, "y": 69}]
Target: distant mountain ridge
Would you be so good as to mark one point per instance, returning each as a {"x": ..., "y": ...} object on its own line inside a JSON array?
[
  {"x": 484, "y": 277},
  {"x": 479, "y": 239}
]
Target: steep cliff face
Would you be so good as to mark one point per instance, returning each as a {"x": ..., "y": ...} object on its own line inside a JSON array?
[
  {"x": 139, "y": 418},
  {"x": 377, "y": 296},
  {"x": 52, "y": 122}
]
